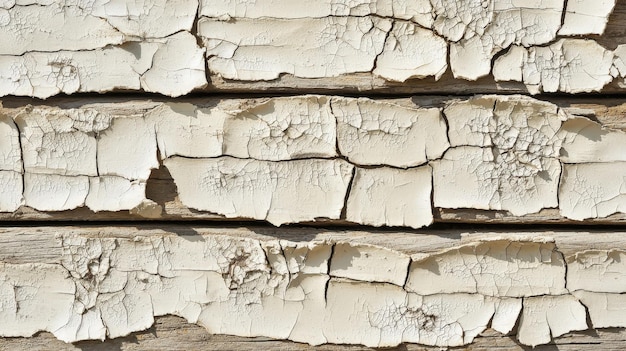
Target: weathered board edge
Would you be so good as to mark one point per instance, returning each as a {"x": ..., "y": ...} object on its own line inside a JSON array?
[{"x": 174, "y": 333}]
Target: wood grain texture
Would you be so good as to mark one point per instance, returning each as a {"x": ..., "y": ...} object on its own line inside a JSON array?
[
  {"x": 59, "y": 246},
  {"x": 608, "y": 111},
  {"x": 174, "y": 333},
  {"x": 40, "y": 244},
  {"x": 366, "y": 83},
  {"x": 28, "y": 236}
]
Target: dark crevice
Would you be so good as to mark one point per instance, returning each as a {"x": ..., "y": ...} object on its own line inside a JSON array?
[
  {"x": 435, "y": 228},
  {"x": 347, "y": 195},
  {"x": 200, "y": 97},
  {"x": 330, "y": 260}
]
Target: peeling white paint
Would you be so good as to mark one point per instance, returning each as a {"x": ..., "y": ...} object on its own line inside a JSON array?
[
  {"x": 306, "y": 258},
  {"x": 62, "y": 161},
  {"x": 177, "y": 66},
  {"x": 497, "y": 268},
  {"x": 63, "y": 142},
  {"x": 11, "y": 190},
  {"x": 506, "y": 315},
  {"x": 134, "y": 138},
  {"x": 547, "y": 317},
  {"x": 153, "y": 65},
  {"x": 52, "y": 28},
  {"x": 48, "y": 26},
  {"x": 418, "y": 11},
  {"x": 249, "y": 48},
  {"x": 392, "y": 316},
  {"x": 185, "y": 129},
  {"x": 486, "y": 28},
  {"x": 106, "y": 287},
  {"x": 592, "y": 190},
  {"x": 133, "y": 45},
  {"x": 569, "y": 65},
  {"x": 472, "y": 177},
  {"x": 274, "y": 129},
  {"x": 305, "y": 158},
  {"x": 378, "y": 133},
  {"x": 586, "y": 17},
  {"x": 33, "y": 298},
  {"x": 259, "y": 49},
  {"x": 411, "y": 52},
  {"x": 587, "y": 141},
  {"x": 154, "y": 19},
  {"x": 244, "y": 44},
  {"x": 605, "y": 310},
  {"x": 510, "y": 123},
  {"x": 10, "y": 150},
  {"x": 53, "y": 192},
  {"x": 369, "y": 263},
  {"x": 279, "y": 192},
  {"x": 506, "y": 155},
  {"x": 391, "y": 197},
  {"x": 487, "y": 152},
  {"x": 111, "y": 193},
  {"x": 282, "y": 129},
  {"x": 597, "y": 271}
]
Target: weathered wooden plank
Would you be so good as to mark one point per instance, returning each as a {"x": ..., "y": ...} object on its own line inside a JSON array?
[
  {"x": 263, "y": 136},
  {"x": 174, "y": 333},
  {"x": 408, "y": 286},
  {"x": 381, "y": 47},
  {"x": 614, "y": 35},
  {"x": 40, "y": 244}
]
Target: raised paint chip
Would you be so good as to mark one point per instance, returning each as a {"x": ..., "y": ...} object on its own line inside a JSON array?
[
  {"x": 504, "y": 155},
  {"x": 547, "y": 317},
  {"x": 592, "y": 190},
  {"x": 279, "y": 192},
  {"x": 493, "y": 268},
  {"x": 391, "y": 197},
  {"x": 569, "y": 66},
  {"x": 371, "y": 132}
]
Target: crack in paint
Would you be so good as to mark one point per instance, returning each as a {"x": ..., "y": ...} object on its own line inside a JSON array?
[
  {"x": 109, "y": 287},
  {"x": 506, "y": 151}
]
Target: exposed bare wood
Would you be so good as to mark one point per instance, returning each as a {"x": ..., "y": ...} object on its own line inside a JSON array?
[
  {"x": 205, "y": 203},
  {"x": 162, "y": 192},
  {"x": 155, "y": 261},
  {"x": 174, "y": 333}
]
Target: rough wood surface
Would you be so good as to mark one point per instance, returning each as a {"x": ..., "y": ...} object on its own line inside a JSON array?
[
  {"x": 241, "y": 47},
  {"x": 174, "y": 333},
  {"x": 614, "y": 35},
  {"x": 156, "y": 195},
  {"x": 135, "y": 221},
  {"x": 409, "y": 285}
]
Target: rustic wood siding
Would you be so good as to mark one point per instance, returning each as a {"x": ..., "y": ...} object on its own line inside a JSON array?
[{"x": 209, "y": 174}]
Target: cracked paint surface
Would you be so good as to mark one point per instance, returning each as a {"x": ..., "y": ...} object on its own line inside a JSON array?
[
  {"x": 313, "y": 291},
  {"x": 273, "y": 191},
  {"x": 49, "y": 26},
  {"x": 387, "y": 196},
  {"x": 569, "y": 65},
  {"x": 372, "y": 133},
  {"x": 586, "y": 17},
  {"x": 336, "y": 45},
  {"x": 397, "y": 40},
  {"x": 592, "y": 190},
  {"x": 371, "y": 162},
  {"x": 69, "y": 159},
  {"x": 504, "y": 155},
  {"x": 384, "y": 162},
  {"x": 154, "y": 46},
  {"x": 497, "y": 268},
  {"x": 150, "y": 65}
]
